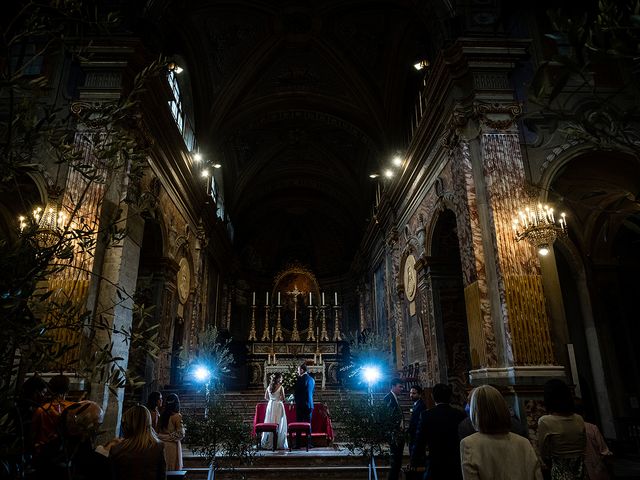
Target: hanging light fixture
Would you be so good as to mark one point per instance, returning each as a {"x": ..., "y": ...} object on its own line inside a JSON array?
[
  {"x": 49, "y": 221},
  {"x": 537, "y": 223}
]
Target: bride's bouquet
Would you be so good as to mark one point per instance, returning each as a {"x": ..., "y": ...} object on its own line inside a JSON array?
[{"x": 290, "y": 399}]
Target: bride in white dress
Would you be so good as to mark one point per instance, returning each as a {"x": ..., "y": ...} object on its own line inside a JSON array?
[{"x": 275, "y": 413}]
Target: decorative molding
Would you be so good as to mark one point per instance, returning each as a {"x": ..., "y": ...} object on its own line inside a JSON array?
[
  {"x": 494, "y": 116},
  {"x": 497, "y": 116}
]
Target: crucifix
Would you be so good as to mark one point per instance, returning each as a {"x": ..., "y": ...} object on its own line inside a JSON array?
[{"x": 295, "y": 335}]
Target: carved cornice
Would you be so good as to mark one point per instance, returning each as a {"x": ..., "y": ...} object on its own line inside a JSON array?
[{"x": 489, "y": 116}]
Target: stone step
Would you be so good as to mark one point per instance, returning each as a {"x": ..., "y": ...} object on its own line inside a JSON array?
[{"x": 321, "y": 463}]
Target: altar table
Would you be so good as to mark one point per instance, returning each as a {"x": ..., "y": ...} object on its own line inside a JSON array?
[
  {"x": 313, "y": 369},
  {"x": 320, "y": 420}
]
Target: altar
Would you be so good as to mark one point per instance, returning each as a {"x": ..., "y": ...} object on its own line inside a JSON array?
[
  {"x": 296, "y": 323},
  {"x": 315, "y": 370},
  {"x": 323, "y": 360}
]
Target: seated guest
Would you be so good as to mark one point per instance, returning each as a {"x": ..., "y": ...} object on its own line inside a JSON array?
[
  {"x": 49, "y": 455},
  {"x": 140, "y": 454},
  {"x": 81, "y": 423},
  {"x": 494, "y": 452},
  {"x": 45, "y": 424}
]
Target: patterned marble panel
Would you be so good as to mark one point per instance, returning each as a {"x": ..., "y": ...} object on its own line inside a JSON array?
[{"x": 472, "y": 254}]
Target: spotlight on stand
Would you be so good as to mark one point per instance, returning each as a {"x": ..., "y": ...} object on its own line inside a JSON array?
[
  {"x": 371, "y": 374},
  {"x": 202, "y": 374}
]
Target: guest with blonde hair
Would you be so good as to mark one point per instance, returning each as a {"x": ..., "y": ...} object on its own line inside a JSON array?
[
  {"x": 494, "y": 452},
  {"x": 140, "y": 454}
]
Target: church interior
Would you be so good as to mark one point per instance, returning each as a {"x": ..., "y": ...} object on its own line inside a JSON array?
[{"x": 433, "y": 175}]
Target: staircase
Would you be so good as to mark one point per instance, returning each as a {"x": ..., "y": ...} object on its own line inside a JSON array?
[
  {"x": 333, "y": 462},
  {"x": 318, "y": 463}
]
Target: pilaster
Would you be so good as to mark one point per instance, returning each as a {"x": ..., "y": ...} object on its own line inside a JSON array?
[{"x": 509, "y": 332}]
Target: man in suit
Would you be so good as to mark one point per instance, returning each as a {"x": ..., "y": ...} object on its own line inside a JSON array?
[
  {"x": 303, "y": 395},
  {"x": 418, "y": 407},
  {"x": 396, "y": 437},
  {"x": 438, "y": 431}
]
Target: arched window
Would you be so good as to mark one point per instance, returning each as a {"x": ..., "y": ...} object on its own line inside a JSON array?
[{"x": 176, "y": 105}]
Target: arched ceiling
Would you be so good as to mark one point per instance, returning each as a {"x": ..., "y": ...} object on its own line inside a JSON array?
[{"x": 300, "y": 102}]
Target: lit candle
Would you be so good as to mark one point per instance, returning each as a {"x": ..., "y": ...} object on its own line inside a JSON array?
[
  {"x": 335, "y": 297},
  {"x": 322, "y": 298},
  {"x": 310, "y": 299},
  {"x": 254, "y": 298},
  {"x": 279, "y": 299},
  {"x": 267, "y": 299}
]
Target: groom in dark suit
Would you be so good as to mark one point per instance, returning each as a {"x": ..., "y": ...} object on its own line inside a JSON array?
[
  {"x": 303, "y": 395},
  {"x": 396, "y": 437}
]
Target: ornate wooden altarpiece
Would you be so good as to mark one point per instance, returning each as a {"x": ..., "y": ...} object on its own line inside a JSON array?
[{"x": 298, "y": 326}]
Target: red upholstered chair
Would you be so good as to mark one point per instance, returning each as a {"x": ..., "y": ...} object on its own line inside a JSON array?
[
  {"x": 267, "y": 427},
  {"x": 299, "y": 427}
]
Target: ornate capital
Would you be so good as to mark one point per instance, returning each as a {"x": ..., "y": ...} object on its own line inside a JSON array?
[{"x": 497, "y": 116}]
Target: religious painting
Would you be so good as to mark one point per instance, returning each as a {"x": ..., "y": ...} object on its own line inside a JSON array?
[{"x": 295, "y": 288}]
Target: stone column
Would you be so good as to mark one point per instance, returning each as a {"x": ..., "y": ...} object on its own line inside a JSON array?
[
  {"x": 114, "y": 308},
  {"x": 511, "y": 339},
  {"x": 396, "y": 328},
  {"x": 424, "y": 295}
]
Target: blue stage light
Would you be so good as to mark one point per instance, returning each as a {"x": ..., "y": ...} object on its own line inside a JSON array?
[
  {"x": 202, "y": 374},
  {"x": 371, "y": 374}
]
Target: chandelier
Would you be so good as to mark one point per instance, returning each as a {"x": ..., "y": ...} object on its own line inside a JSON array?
[
  {"x": 49, "y": 222},
  {"x": 539, "y": 226}
]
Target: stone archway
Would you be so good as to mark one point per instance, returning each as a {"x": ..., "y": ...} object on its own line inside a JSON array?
[
  {"x": 156, "y": 288},
  {"x": 445, "y": 272},
  {"x": 600, "y": 192}
]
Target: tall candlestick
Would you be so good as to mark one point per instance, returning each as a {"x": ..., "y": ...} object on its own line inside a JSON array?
[
  {"x": 254, "y": 298},
  {"x": 335, "y": 297},
  {"x": 310, "y": 299},
  {"x": 279, "y": 299},
  {"x": 322, "y": 298},
  {"x": 267, "y": 299}
]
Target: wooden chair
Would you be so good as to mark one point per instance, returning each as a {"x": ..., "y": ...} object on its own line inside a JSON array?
[
  {"x": 267, "y": 428},
  {"x": 297, "y": 428}
]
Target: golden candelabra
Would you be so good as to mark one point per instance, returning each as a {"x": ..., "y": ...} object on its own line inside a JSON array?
[
  {"x": 252, "y": 331},
  {"x": 295, "y": 334},
  {"x": 311, "y": 334},
  {"x": 337, "y": 336},
  {"x": 324, "y": 335},
  {"x": 265, "y": 334},
  {"x": 278, "y": 335}
]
